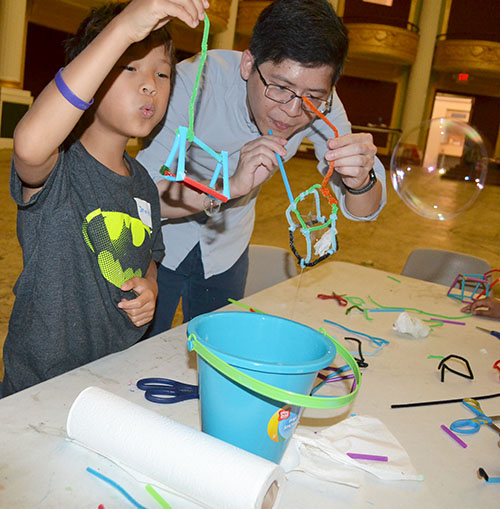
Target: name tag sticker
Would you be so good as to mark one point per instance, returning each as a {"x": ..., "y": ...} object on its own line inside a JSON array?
[{"x": 144, "y": 211}]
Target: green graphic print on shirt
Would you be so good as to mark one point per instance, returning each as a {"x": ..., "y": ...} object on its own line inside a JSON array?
[{"x": 118, "y": 241}]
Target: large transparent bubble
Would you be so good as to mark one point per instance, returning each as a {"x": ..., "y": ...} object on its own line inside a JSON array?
[{"x": 439, "y": 168}]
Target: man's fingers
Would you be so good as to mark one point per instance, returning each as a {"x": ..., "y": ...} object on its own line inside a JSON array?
[{"x": 265, "y": 144}]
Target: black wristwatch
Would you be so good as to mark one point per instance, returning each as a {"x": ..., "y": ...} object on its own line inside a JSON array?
[{"x": 373, "y": 180}]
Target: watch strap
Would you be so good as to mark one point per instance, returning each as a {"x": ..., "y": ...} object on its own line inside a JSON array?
[{"x": 371, "y": 183}]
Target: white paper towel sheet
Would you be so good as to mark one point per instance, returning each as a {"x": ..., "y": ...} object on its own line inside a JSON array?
[
  {"x": 173, "y": 456},
  {"x": 412, "y": 326},
  {"x": 323, "y": 454}
]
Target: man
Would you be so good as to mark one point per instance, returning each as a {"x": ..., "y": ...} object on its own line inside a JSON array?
[{"x": 297, "y": 48}]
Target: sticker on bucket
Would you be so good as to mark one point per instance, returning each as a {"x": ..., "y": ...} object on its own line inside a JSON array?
[{"x": 283, "y": 423}]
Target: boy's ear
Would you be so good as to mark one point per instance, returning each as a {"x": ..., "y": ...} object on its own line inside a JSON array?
[{"x": 246, "y": 65}]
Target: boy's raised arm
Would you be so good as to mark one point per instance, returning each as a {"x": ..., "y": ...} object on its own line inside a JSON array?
[{"x": 52, "y": 117}]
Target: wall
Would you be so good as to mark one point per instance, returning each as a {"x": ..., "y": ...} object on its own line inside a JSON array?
[
  {"x": 474, "y": 19},
  {"x": 44, "y": 56}
]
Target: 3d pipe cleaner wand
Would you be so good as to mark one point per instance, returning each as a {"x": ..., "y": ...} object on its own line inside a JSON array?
[
  {"x": 327, "y": 244},
  {"x": 186, "y": 134}
]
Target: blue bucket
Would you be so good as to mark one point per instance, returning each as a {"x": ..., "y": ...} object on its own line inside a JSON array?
[{"x": 255, "y": 374}]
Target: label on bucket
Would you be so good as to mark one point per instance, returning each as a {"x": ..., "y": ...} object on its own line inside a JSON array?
[{"x": 282, "y": 424}]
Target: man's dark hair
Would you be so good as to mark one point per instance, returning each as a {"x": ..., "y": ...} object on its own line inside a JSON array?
[
  {"x": 306, "y": 31},
  {"x": 95, "y": 22}
]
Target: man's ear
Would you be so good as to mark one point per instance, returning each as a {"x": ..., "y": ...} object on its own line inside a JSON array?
[{"x": 246, "y": 65}]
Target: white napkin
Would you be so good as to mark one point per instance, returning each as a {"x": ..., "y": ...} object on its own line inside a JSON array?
[
  {"x": 323, "y": 244},
  {"x": 323, "y": 454},
  {"x": 410, "y": 325}
]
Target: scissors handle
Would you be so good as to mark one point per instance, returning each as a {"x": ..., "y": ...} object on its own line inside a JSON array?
[
  {"x": 159, "y": 396},
  {"x": 164, "y": 390},
  {"x": 475, "y": 407},
  {"x": 165, "y": 384},
  {"x": 467, "y": 426}
]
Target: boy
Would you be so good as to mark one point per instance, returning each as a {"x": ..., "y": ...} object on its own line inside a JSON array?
[
  {"x": 88, "y": 214},
  {"x": 297, "y": 48}
]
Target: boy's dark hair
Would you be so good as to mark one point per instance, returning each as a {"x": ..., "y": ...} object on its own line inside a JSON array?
[
  {"x": 95, "y": 22},
  {"x": 306, "y": 31}
]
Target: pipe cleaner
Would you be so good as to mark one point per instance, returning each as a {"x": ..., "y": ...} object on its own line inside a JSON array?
[
  {"x": 186, "y": 134},
  {"x": 327, "y": 244}
]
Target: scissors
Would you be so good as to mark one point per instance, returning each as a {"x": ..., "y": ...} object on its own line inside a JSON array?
[
  {"x": 492, "y": 332},
  {"x": 497, "y": 365},
  {"x": 468, "y": 426},
  {"x": 164, "y": 390}
]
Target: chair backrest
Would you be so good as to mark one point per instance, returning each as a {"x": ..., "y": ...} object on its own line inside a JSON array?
[
  {"x": 268, "y": 265},
  {"x": 440, "y": 266}
]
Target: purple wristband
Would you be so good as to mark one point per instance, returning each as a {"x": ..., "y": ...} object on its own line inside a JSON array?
[{"x": 68, "y": 94}]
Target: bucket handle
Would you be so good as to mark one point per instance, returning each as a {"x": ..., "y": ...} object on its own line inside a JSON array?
[{"x": 276, "y": 393}]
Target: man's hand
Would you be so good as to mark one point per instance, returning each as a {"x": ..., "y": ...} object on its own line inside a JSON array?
[
  {"x": 256, "y": 164},
  {"x": 354, "y": 156}
]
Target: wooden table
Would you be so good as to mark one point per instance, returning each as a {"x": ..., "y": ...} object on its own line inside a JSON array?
[{"x": 40, "y": 468}]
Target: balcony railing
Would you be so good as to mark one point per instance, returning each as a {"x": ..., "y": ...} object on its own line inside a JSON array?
[
  {"x": 383, "y": 20},
  {"x": 477, "y": 56},
  {"x": 387, "y": 43},
  {"x": 384, "y": 138},
  {"x": 465, "y": 36}
]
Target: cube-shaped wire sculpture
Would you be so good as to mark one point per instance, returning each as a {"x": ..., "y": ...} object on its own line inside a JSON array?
[{"x": 469, "y": 287}]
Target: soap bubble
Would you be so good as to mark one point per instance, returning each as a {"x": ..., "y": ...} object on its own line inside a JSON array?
[{"x": 439, "y": 168}]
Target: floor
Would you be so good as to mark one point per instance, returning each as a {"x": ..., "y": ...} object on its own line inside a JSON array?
[{"x": 383, "y": 244}]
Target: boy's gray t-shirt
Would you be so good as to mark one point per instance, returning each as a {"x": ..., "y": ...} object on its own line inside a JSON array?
[{"x": 83, "y": 234}]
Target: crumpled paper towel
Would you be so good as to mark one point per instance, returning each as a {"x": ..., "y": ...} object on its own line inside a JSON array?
[
  {"x": 324, "y": 454},
  {"x": 322, "y": 245},
  {"x": 407, "y": 324}
]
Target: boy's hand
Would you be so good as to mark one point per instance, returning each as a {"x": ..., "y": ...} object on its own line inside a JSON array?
[
  {"x": 141, "y": 309},
  {"x": 141, "y": 17},
  {"x": 256, "y": 164},
  {"x": 484, "y": 307},
  {"x": 354, "y": 156}
]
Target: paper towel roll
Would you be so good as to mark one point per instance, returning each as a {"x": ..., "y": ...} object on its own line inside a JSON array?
[{"x": 199, "y": 466}]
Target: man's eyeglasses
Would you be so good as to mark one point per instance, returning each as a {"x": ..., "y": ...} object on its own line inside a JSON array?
[{"x": 284, "y": 95}]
